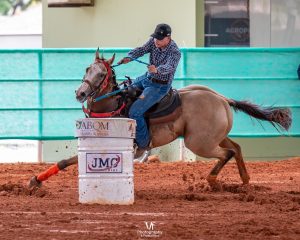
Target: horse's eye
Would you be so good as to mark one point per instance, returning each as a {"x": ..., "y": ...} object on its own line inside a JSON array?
[
  {"x": 101, "y": 75},
  {"x": 86, "y": 70}
]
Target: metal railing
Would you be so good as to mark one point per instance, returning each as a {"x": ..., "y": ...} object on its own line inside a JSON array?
[{"x": 37, "y": 85}]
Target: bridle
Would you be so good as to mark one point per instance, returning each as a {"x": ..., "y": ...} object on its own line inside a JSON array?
[
  {"x": 104, "y": 83},
  {"x": 96, "y": 90}
]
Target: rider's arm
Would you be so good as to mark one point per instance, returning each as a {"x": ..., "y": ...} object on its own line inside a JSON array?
[{"x": 140, "y": 51}]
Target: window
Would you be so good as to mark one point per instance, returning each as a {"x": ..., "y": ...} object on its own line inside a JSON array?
[{"x": 227, "y": 23}]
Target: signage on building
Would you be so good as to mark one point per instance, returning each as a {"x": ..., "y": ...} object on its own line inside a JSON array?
[
  {"x": 70, "y": 3},
  {"x": 227, "y": 32}
]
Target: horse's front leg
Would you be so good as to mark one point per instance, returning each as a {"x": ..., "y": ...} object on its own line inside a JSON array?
[{"x": 36, "y": 181}]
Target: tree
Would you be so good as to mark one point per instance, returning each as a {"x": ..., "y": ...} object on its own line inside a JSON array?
[{"x": 9, "y": 7}]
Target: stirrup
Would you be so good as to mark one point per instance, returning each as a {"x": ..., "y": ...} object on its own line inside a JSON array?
[{"x": 143, "y": 158}]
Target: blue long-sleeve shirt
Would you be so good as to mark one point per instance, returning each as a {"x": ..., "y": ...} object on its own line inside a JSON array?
[{"x": 165, "y": 60}]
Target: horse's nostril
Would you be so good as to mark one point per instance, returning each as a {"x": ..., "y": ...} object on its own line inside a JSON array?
[{"x": 82, "y": 94}]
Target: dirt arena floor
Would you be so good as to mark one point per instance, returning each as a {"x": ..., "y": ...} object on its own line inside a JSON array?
[{"x": 172, "y": 198}]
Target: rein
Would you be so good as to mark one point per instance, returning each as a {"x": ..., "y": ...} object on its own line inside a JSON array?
[
  {"x": 107, "y": 95},
  {"x": 132, "y": 59},
  {"x": 120, "y": 90}
]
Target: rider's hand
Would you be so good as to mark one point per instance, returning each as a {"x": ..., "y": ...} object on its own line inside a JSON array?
[
  {"x": 124, "y": 60},
  {"x": 152, "y": 69}
]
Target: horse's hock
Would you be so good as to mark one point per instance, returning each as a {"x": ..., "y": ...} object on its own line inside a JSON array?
[{"x": 105, "y": 160}]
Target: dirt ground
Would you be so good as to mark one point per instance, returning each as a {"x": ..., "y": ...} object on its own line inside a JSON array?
[{"x": 172, "y": 198}]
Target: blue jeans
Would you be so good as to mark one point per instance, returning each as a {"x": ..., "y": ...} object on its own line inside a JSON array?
[{"x": 152, "y": 93}]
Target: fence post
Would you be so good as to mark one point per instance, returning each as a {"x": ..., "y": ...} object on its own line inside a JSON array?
[{"x": 40, "y": 102}]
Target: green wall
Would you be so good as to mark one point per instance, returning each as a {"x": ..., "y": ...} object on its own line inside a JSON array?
[{"x": 50, "y": 76}]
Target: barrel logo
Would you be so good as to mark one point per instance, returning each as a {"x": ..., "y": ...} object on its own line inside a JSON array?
[
  {"x": 104, "y": 162},
  {"x": 92, "y": 125}
]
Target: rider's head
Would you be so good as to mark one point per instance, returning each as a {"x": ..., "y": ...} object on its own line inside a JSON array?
[{"x": 162, "y": 35}]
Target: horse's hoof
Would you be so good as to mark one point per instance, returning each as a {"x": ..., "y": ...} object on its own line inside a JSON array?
[
  {"x": 212, "y": 180},
  {"x": 214, "y": 184},
  {"x": 34, "y": 182},
  {"x": 246, "y": 180}
]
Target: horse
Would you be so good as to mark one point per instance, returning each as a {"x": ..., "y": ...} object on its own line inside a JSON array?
[{"x": 204, "y": 122}]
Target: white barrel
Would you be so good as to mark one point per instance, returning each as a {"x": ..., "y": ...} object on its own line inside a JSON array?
[{"x": 105, "y": 160}]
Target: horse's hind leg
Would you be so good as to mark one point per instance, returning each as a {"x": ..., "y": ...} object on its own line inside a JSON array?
[
  {"x": 239, "y": 159},
  {"x": 234, "y": 150},
  {"x": 225, "y": 155},
  {"x": 36, "y": 181},
  {"x": 207, "y": 151}
]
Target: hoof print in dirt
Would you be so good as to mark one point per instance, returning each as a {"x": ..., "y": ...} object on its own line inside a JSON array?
[{"x": 194, "y": 197}]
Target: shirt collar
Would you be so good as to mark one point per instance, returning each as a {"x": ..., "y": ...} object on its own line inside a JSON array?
[{"x": 168, "y": 47}]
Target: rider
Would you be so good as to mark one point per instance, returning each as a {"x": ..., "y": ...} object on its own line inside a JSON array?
[{"x": 156, "y": 82}]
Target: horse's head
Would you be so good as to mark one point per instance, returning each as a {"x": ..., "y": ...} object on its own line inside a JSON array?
[{"x": 96, "y": 78}]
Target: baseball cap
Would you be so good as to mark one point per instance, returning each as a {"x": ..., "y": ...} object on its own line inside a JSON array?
[{"x": 161, "y": 31}]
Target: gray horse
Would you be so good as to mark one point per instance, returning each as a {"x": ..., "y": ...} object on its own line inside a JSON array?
[{"x": 204, "y": 121}]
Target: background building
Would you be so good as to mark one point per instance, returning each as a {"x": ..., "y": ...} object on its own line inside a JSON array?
[
  {"x": 195, "y": 23},
  {"x": 117, "y": 23}
]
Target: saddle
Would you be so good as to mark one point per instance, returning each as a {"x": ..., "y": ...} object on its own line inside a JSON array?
[{"x": 168, "y": 109}]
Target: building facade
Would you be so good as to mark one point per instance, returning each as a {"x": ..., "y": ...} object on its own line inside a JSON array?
[{"x": 195, "y": 23}]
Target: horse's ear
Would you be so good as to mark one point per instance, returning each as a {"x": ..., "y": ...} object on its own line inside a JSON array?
[
  {"x": 97, "y": 54},
  {"x": 110, "y": 61}
]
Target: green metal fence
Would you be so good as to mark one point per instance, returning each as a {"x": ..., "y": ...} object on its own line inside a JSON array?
[{"x": 37, "y": 99}]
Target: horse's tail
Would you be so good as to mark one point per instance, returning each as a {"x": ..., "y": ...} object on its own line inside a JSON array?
[{"x": 281, "y": 117}]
